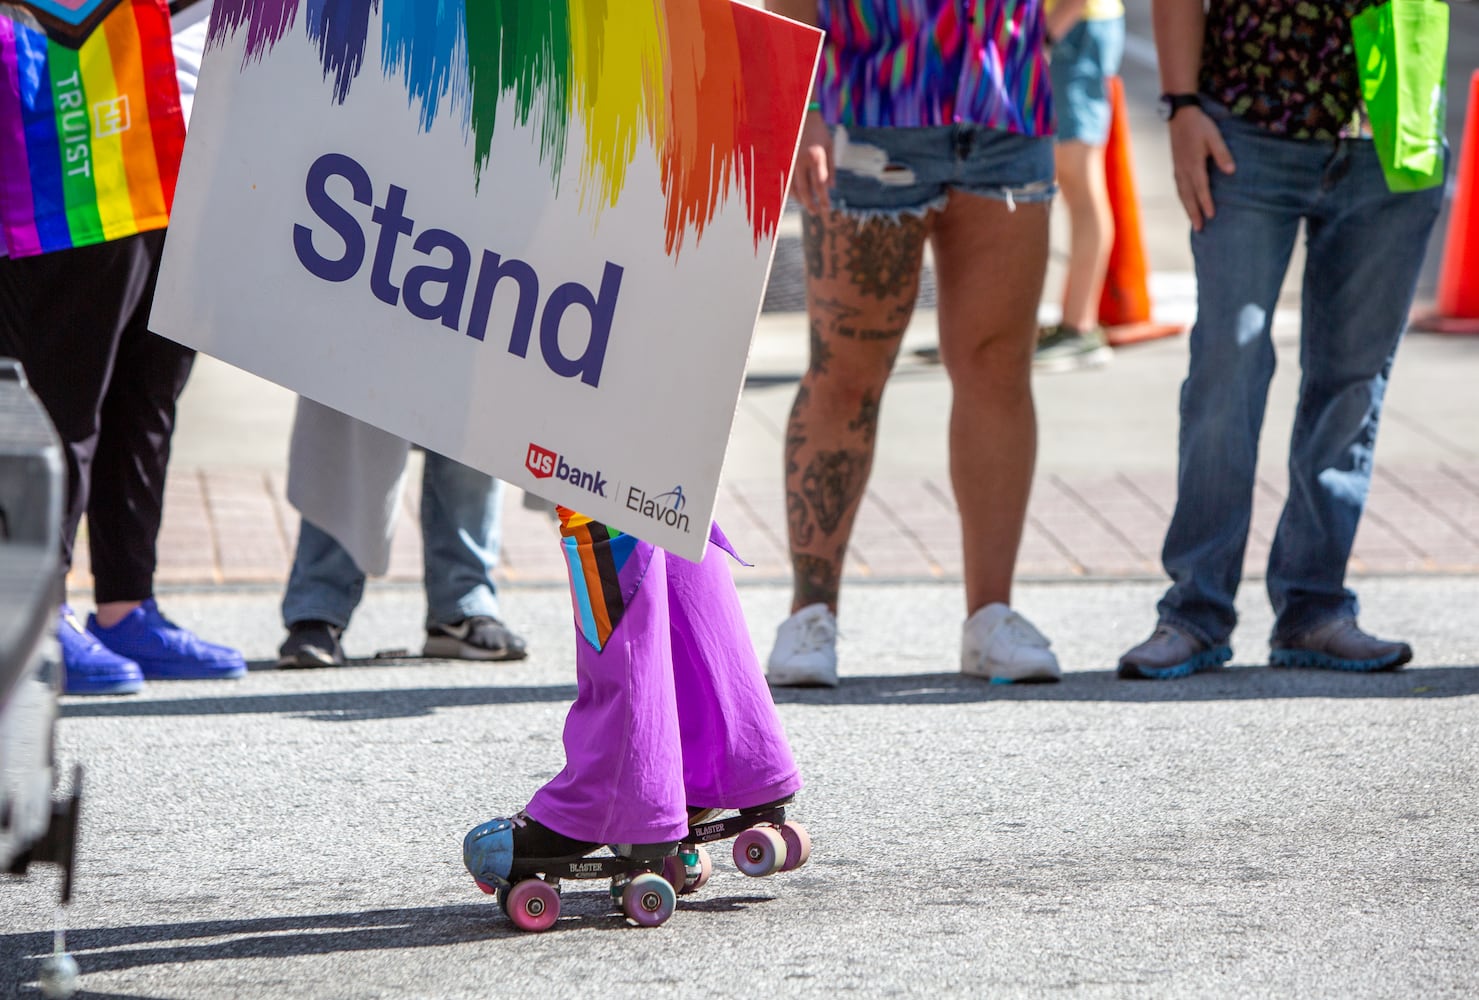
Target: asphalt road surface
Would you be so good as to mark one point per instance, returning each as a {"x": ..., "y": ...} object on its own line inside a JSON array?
[{"x": 1249, "y": 833}]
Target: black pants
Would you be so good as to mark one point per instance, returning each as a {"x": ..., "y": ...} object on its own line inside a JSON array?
[{"x": 78, "y": 320}]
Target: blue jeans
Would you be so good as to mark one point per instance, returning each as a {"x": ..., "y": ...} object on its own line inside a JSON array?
[
  {"x": 1364, "y": 249},
  {"x": 461, "y": 534}
]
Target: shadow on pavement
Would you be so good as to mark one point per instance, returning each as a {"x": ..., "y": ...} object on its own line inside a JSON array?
[
  {"x": 109, "y": 949},
  {"x": 324, "y": 706},
  {"x": 1247, "y": 683},
  {"x": 112, "y": 949}
]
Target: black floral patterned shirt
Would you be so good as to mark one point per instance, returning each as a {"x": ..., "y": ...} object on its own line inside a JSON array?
[{"x": 1287, "y": 65}]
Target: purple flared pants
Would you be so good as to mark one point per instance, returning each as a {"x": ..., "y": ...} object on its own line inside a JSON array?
[{"x": 672, "y": 710}]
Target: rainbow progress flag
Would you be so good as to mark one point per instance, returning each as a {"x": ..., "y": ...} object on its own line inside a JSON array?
[
  {"x": 90, "y": 124},
  {"x": 606, "y": 567}
]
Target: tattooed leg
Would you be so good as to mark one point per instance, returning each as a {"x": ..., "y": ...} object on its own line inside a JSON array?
[{"x": 862, "y": 279}]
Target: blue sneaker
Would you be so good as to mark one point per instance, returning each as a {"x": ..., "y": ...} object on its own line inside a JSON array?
[
  {"x": 91, "y": 667},
  {"x": 163, "y": 650}
]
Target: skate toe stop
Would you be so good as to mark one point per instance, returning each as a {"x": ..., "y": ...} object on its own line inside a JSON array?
[{"x": 488, "y": 851}]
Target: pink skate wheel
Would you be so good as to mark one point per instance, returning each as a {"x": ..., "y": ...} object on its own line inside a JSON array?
[
  {"x": 490, "y": 889},
  {"x": 705, "y": 869},
  {"x": 675, "y": 871},
  {"x": 760, "y": 851},
  {"x": 683, "y": 878},
  {"x": 649, "y": 900},
  {"x": 798, "y": 846},
  {"x": 533, "y": 905}
]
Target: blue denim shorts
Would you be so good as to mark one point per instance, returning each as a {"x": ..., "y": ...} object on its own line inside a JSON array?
[
  {"x": 889, "y": 172},
  {"x": 1089, "y": 54}
]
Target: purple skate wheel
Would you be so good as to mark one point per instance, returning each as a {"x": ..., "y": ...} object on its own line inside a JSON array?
[
  {"x": 798, "y": 846},
  {"x": 760, "y": 851},
  {"x": 533, "y": 905},
  {"x": 649, "y": 900}
]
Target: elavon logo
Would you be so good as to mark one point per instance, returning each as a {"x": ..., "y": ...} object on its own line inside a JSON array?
[
  {"x": 664, "y": 508},
  {"x": 543, "y": 463}
]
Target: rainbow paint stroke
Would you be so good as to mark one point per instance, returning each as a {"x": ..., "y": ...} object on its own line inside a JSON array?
[
  {"x": 90, "y": 138},
  {"x": 716, "y": 88}
]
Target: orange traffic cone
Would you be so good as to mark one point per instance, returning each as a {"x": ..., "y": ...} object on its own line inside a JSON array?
[
  {"x": 1124, "y": 306},
  {"x": 1458, "y": 283}
]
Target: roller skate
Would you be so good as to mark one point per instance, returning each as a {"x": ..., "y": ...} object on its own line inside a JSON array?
[
  {"x": 765, "y": 843},
  {"x": 522, "y": 861}
]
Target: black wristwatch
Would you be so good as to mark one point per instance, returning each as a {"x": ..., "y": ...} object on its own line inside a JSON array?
[{"x": 1172, "y": 103}]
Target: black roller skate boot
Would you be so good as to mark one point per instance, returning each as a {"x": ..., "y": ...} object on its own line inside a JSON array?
[
  {"x": 522, "y": 861},
  {"x": 765, "y": 843}
]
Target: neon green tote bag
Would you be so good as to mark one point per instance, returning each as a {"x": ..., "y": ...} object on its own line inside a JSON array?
[{"x": 1402, "y": 53}]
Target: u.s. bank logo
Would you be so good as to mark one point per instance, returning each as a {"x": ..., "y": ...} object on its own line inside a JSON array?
[
  {"x": 543, "y": 463},
  {"x": 540, "y": 462}
]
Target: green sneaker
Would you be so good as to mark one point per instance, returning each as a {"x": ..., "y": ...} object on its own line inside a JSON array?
[{"x": 1063, "y": 349}]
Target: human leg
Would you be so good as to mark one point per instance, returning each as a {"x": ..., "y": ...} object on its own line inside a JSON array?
[
  {"x": 862, "y": 280},
  {"x": 623, "y": 776},
  {"x": 324, "y": 587},
  {"x": 622, "y": 783},
  {"x": 125, "y": 507},
  {"x": 62, "y": 316},
  {"x": 671, "y": 709},
  {"x": 125, "y": 512},
  {"x": 1082, "y": 61},
  {"x": 738, "y": 772},
  {"x": 990, "y": 244},
  {"x": 863, "y": 256},
  {"x": 735, "y": 753},
  {"x": 461, "y": 529},
  {"x": 989, "y": 262},
  {"x": 1081, "y": 181},
  {"x": 1240, "y": 256},
  {"x": 461, "y": 536},
  {"x": 324, "y": 583},
  {"x": 1365, "y": 250}
]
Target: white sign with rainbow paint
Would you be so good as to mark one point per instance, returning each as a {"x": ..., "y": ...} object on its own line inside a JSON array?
[{"x": 530, "y": 235}]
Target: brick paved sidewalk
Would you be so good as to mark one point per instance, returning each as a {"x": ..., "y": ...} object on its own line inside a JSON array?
[{"x": 226, "y": 526}]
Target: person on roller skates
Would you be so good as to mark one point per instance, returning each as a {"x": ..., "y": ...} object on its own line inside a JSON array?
[{"x": 672, "y": 725}]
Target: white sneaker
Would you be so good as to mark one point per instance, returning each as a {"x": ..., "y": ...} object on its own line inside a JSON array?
[
  {"x": 1001, "y": 645},
  {"x": 805, "y": 653}
]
